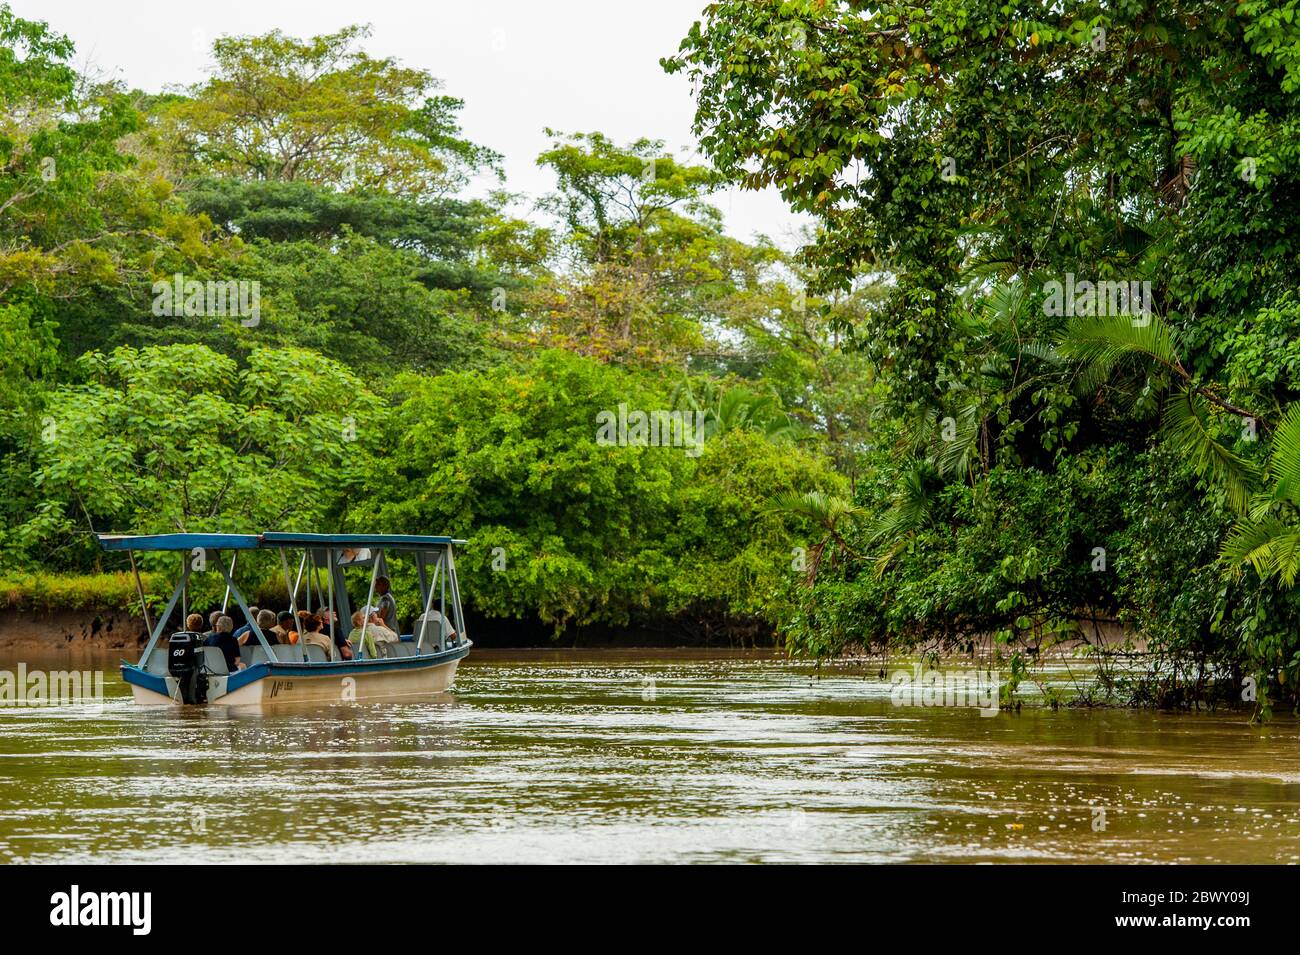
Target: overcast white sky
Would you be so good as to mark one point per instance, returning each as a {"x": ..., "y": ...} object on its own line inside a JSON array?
[{"x": 520, "y": 66}]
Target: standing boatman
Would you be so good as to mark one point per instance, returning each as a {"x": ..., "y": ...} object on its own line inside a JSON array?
[{"x": 386, "y": 607}]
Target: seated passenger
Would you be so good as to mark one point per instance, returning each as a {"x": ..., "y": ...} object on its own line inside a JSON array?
[
  {"x": 212, "y": 623},
  {"x": 376, "y": 632},
  {"x": 246, "y": 629},
  {"x": 266, "y": 621},
  {"x": 327, "y": 618},
  {"x": 342, "y": 646},
  {"x": 224, "y": 638},
  {"x": 194, "y": 623},
  {"x": 285, "y": 627},
  {"x": 434, "y": 623},
  {"x": 383, "y": 632},
  {"x": 313, "y": 633}
]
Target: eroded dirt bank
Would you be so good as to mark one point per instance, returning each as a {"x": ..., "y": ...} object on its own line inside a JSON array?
[{"x": 26, "y": 628}]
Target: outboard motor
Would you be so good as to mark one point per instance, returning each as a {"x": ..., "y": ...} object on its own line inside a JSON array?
[{"x": 185, "y": 663}]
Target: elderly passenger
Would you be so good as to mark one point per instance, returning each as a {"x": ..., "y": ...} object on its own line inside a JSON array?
[
  {"x": 223, "y": 637},
  {"x": 376, "y": 632},
  {"x": 266, "y": 621}
]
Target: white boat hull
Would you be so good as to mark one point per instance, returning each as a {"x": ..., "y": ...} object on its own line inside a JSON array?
[{"x": 354, "y": 685}]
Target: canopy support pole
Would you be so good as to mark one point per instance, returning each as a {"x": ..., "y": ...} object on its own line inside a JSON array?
[
  {"x": 225, "y": 600},
  {"x": 428, "y": 602},
  {"x": 139, "y": 589},
  {"x": 297, "y": 583},
  {"x": 239, "y": 599},
  {"x": 423, "y": 572},
  {"x": 365, "y": 618},
  {"x": 442, "y": 600},
  {"x": 293, "y": 593},
  {"x": 455, "y": 597},
  {"x": 167, "y": 612},
  {"x": 329, "y": 603}
]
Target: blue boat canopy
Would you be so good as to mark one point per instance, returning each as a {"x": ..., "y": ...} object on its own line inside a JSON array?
[
  {"x": 396, "y": 541},
  {"x": 179, "y": 541},
  {"x": 149, "y": 542}
]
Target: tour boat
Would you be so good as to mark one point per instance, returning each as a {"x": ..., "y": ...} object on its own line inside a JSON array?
[{"x": 182, "y": 671}]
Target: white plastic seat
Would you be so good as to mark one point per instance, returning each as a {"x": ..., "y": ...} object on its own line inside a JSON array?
[
  {"x": 316, "y": 654},
  {"x": 253, "y": 656},
  {"x": 288, "y": 653},
  {"x": 436, "y": 625},
  {"x": 214, "y": 660}
]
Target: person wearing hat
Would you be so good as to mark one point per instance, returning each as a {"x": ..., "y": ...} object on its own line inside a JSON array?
[{"x": 368, "y": 619}]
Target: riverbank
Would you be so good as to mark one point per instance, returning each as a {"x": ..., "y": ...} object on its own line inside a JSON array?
[
  {"x": 118, "y": 629},
  {"x": 30, "y": 629},
  {"x": 103, "y": 610}
]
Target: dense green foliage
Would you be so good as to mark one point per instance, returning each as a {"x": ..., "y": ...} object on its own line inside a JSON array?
[
  {"x": 389, "y": 355},
  {"x": 988, "y": 156},
  {"x": 1031, "y": 381}
]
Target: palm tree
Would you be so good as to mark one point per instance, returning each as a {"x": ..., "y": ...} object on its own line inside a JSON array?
[
  {"x": 735, "y": 408},
  {"x": 1268, "y": 538},
  {"x": 955, "y": 438},
  {"x": 826, "y": 511},
  {"x": 1103, "y": 344},
  {"x": 911, "y": 510}
]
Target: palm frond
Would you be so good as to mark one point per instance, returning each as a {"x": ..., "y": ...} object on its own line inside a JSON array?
[
  {"x": 1271, "y": 546},
  {"x": 1102, "y": 341},
  {"x": 1043, "y": 351},
  {"x": 911, "y": 510},
  {"x": 825, "y": 510},
  {"x": 1184, "y": 427},
  {"x": 953, "y": 458},
  {"x": 1284, "y": 457}
]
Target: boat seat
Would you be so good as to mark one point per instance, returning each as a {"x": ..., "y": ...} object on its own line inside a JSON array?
[
  {"x": 437, "y": 627},
  {"x": 215, "y": 660},
  {"x": 316, "y": 654},
  {"x": 252, "y": 656},
  {"x": 289, "y": 653},
  {"x": 401, "y": 650},
  {"x": 157, "y": 664}
]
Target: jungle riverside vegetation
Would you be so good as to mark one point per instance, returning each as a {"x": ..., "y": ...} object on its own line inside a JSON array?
[
  {"x": 1033, "y": 373},
  {"x": 264, "y": 302},
  {"x": 1087, "y": 351}
]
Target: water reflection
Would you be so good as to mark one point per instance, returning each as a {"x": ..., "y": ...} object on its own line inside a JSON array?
[{"x": 573, "y": 756}]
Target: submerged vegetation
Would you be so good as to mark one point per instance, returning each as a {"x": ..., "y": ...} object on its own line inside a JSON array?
[{"x": 1030, "y": 383}]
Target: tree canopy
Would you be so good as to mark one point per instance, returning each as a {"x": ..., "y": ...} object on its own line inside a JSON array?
[{"x": 1032, "y": 375}]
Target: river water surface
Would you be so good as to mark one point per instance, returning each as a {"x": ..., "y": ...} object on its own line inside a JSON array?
[{"x": 639, "y": 756}]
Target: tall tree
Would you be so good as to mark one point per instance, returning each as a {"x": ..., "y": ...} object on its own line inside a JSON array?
[{"x": 325, "y": 112}]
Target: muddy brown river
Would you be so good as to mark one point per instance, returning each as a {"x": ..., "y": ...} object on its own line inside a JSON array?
[{"x": 638, "y": 756}]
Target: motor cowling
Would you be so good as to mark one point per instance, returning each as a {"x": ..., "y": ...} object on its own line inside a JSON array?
[{"x": 185, "y": 663}]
